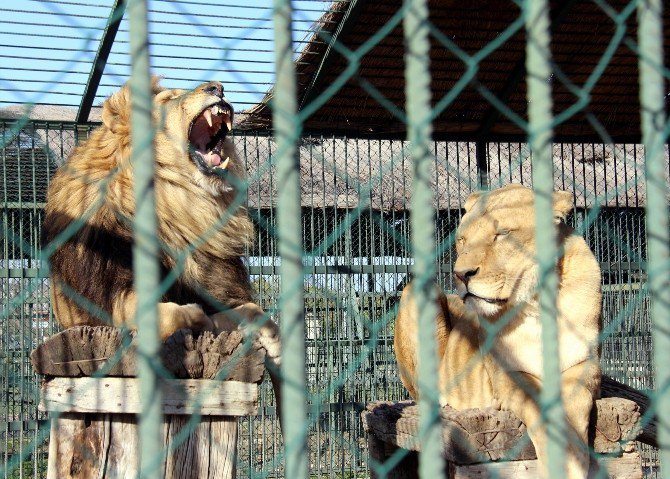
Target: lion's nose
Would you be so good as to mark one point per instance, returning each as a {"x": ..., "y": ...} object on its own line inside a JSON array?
[
  {"x": 465, "y": 274},
  {"x": 213, "y": 88}
]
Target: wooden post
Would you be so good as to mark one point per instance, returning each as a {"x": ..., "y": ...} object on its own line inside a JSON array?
[{"x": 94, "y": 422}]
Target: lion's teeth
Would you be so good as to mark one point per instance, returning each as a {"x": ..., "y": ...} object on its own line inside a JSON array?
[
  {"x": 208, "y": 117},
  {"x": 216, "y": 110},
  {"x": 224, "y": 165}
]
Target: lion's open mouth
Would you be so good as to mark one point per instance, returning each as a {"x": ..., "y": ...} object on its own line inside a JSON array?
[{"x": 207, "y": 134}]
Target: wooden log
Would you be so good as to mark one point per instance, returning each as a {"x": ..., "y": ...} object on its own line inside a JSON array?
[
  {"x": 84, "y": 446},
  {"x": 482, "y": 435},
  {"x": 625, "y": 467},
  {"x": 475, "y": 439},
  {"x": 648, "y": 425},
  {"x": 88, "y": 350}
]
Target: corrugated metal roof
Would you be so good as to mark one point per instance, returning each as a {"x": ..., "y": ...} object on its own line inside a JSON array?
[{"x": 584, "y": 32}]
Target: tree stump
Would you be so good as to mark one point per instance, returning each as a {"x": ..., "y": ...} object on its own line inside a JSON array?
[
  {"x": 92, "y": 393},
  {"x": 480, "y": 443}
]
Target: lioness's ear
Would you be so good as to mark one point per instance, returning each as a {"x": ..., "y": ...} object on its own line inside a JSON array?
[
  {"x": 563, "y": 201},
  {"x": 471, "y": 200}
]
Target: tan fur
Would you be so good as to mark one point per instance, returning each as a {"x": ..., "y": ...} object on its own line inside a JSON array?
[
  {"x": 203, "y": 229},
  {"x": 496, "y": 250}
]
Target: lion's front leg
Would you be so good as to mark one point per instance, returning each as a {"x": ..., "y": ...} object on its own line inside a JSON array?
[
  {"x": 406, "y": 341},
  {"x": 518, "y": 393},
  {"x": 250, "y": 315},
  {"x": 171, "y": 316},
  {"x": 580, "y": 387}
]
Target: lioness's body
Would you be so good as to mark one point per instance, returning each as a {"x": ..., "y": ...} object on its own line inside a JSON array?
[{"x": 496, "y": 278}]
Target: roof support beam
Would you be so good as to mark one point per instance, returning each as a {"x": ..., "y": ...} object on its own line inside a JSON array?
[
  {"x": 346, "y": 23},
  {"x": 98, "y": 67},
  {"x": 518, "y": 74}
]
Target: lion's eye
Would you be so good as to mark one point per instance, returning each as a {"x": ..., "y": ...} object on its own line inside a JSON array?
[{"x": 502, "y": 233}]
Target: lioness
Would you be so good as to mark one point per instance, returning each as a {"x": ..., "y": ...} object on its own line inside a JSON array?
[
  {"x": 203, "y": 228},
  {"x": 496, "y": 276}
]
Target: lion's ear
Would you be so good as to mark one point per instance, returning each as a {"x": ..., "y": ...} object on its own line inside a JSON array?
[
  {"x": 116, "y": 109},
  {"x": 563, "y": 203},
  {"x": 471, "y": 200},
  {"x": 166, "y": 95}
]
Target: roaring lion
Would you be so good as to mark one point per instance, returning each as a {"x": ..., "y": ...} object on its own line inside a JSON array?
[
  {"x": 203, "y": 227},
  {"x": 496, "y": 276}
]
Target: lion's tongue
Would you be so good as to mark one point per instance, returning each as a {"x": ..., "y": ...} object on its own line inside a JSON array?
[{"x": 211, "y": 158}]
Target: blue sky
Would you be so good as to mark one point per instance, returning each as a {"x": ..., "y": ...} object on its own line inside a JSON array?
[{"x": 47, "y": 47}]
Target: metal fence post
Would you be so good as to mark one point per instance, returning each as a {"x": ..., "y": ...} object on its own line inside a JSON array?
[
  {"x": 146, "y": 247},
  {"x": 287, "y": 130},
  {"x": 419, "y": 131},
  {"x": 654, "y": 134},
  {"x": 540, "y": 132}
]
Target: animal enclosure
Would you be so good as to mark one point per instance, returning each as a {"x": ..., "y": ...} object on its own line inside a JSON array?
[{"x": 351, "y": 191}]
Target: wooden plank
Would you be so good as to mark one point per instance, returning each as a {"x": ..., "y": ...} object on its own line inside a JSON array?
[
  {"x": 469, "y": 436},
  {"x": 624, "y": 467},
  {"x": 121, "y": 395},
  {"x": 205, "y": 449},
  {"x": 121, "y": 454}
]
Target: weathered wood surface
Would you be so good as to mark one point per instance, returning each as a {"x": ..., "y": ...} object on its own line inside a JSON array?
[
  {"x": 122, "y": 396},
  {"x": 612, "y": 388},
  {"x": 625, "y": 467},
  {"x": 83, "y": 446},
  {"x": 481, "y": 435},
  {"x": 86, "y": 350}
]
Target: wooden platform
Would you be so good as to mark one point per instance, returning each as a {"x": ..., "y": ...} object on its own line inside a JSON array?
[
  {"x": 93, "y": 399},
  {"x": 481, "y": 443}
]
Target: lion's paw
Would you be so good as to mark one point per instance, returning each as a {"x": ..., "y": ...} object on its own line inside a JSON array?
[
  {"x": 269, "y": 338},
  {"x": 192, "y": 316}
]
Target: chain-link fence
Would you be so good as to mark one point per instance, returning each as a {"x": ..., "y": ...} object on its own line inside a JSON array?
[
  {"x": 346, "y": 210},
  {"x": 358, "y": 189}
]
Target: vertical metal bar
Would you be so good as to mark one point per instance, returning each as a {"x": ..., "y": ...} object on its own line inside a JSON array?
[
  {"x": 146, "y": 248},
  {"x": 291, "y": 302},
  {"x": 419, "y": 131},
  {"x": 540, "y": 132},
  {"x": 483, "y": 165},
  {"x": 100, "y": 61},
  {"x": 654, "y": 124}
]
